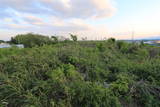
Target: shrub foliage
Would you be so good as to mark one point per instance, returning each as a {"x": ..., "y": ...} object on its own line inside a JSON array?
[{"x": 82, "y": 74}]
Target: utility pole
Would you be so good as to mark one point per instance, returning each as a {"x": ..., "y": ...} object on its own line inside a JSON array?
[{"x": 132, "y": 35}]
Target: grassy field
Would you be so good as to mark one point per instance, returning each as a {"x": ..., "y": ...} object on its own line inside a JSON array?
[{"x": 81, "y": 74}]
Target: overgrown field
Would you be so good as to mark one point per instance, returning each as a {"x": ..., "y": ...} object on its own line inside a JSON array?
[{"x": 81, "y": 74}]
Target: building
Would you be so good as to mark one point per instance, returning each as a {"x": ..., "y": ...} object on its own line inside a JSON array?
[
  {"x": 6, "y": 45},
  {"x": 157, "y": 41},
  {"x": 20, "y": 46},
  {"x": 149, "y": 42}
]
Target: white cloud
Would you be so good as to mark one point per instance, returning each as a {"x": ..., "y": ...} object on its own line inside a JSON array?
[
  {"x": 80, "y": 8},
  {"x": 52, "y": 15},
  {"x": 62, "y": 8}
]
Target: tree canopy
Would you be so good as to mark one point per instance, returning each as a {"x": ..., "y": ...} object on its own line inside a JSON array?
[{"x": 31, "y": 40}]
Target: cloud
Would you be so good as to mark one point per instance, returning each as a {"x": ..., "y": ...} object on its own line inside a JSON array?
[
  {"x": 33, "y": 20},
  {"x": 80, "y": 8},
  {"x": 53, "y": 15},
  {"x": 29, "y": 22},
  {"x": 62, "y": 8}
]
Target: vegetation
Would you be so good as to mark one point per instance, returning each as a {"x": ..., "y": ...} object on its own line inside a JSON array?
[
  {"x": 31, "y": 40},
  {"x": 74, "y": 37},
  {"x": 1, "y": 41},
  {"x": 54, "y": 38},
  {"x": 83, "y": 74}
]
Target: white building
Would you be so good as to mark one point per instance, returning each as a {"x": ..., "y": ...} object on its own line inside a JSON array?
[{"x": 6, "y": 45}]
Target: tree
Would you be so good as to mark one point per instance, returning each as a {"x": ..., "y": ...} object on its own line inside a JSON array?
[
  {"x": 54, "y": 38},
  {"x": 84, "y": 38},
  {"x": 112, "y": 40},
  {"x": 74, "y": 37},
  {"x": 2, "y": 41},
  {"x": 31, "y": 40}
]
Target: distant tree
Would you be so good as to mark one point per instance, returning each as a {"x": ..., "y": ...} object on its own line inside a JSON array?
[
  {"x": 2, "y": 41},
  {"x": 54, "y": 38},
  {"x": 105, "y": 38},
  {"x": 84, "y": 38},
  {"x": 31, "y": 40},
  {"x": 112, "y": 40},
  {"x": 74, "y": 37},
  {"x": 67, "y": 40}
]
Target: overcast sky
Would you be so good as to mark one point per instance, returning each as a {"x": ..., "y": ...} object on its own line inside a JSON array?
[{"x": 94, "y": 19}]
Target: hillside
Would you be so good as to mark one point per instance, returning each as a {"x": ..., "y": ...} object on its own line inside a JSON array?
[{"x": 81, "y": 74}]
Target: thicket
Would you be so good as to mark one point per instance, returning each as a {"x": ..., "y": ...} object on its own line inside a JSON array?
[
  {"x": 30, "y": 40},
  {"x": 81, "y": 74}
]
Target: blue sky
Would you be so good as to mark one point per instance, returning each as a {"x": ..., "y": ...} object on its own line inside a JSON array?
[
  {"x": 94, "y": 19},
  {"x": 136, "y": 12}
]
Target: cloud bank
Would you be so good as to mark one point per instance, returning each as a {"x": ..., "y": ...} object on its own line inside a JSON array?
[{"x": 53, "y": 15}]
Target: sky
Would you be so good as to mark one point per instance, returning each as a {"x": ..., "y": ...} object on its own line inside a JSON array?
[{"x": 94, "y": 19}]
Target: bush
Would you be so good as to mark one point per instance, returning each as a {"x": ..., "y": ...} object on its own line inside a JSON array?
[
  {"x": 31, "y": 40},
  {"x": 88, "y": 74}
]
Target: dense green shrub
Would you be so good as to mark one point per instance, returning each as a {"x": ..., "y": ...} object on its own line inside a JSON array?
[
  {"x": 31, "y": 40},
  {"x": 82, "y": 74}
]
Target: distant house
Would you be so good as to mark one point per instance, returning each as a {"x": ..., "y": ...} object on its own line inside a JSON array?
[
  {"x": 157, "y": 41},
  {"x": 149, "y": 42},
  {"x": 62, "y": 38},
  {"x": 6, "y": 45},
  {"x": 20, "y": 46}
]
